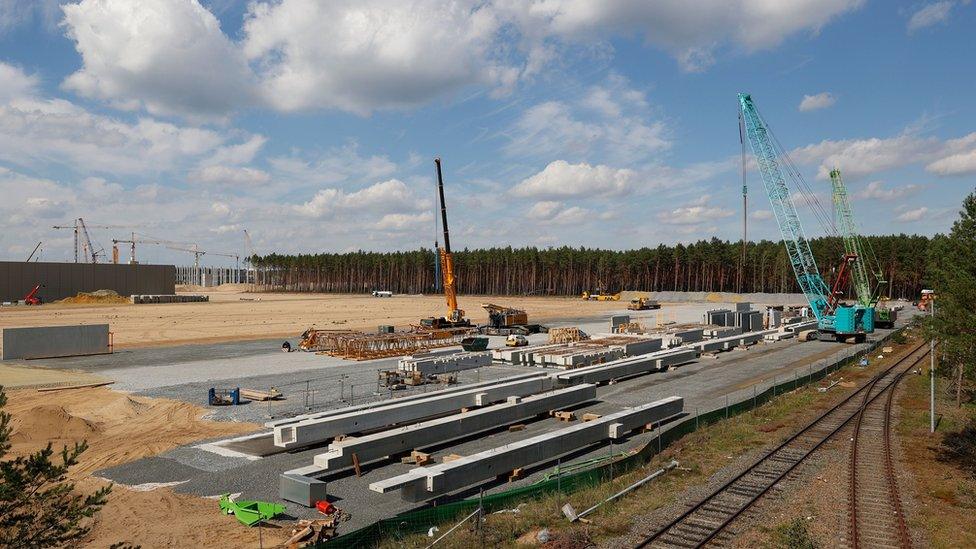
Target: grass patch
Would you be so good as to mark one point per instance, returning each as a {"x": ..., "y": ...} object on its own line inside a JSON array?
[
  {"x": 794, "y": 535},
  {"x": 945, "y": 488}
]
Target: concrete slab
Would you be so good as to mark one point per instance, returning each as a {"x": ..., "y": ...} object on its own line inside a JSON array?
[{"x": 455, "y": 362}]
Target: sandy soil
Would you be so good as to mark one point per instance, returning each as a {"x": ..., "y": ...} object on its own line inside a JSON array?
[
  {"x": 234, "y": 315},
  {"x": 120, "y": 428}
]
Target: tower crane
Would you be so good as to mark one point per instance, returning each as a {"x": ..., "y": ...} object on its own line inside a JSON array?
[
  {"x": 80, "y": 229},
  {"x": 139, "y": 240},
  {"x": 834, "y": 320},
  {"x": 454, "y": 317}
]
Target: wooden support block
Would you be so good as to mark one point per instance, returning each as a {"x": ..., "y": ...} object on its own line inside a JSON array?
[
  {"x": 515, "y": 474},
  {"x": 355, "y": 463},
  {"x": 420, "y": 458},
  {"x": 450, "y": 457},
  {"x": 256, "y": 394},
  {"x": 590, "y": 417},
  {"x": 564, "y": 416},
  {"x": 516, "y": 427}
]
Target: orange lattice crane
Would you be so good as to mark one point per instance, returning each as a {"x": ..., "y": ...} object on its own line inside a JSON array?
[{"x": 455, "y": 316}]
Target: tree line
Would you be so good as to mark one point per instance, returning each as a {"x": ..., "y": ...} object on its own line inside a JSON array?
[{"x": 703, "y": 266}]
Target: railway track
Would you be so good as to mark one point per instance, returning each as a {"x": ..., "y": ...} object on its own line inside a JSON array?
[
  {"x": 707, "y": 521},
  {"x": 874, "y": 510}
]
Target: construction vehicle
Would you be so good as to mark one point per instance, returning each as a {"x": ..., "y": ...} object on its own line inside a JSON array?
[
  {"x": 867, "y": 294},
  {"x": 455, "y": 316},
  {"x": 32, "y": 298},
  {"x": 599, "y": 296},
  {"x": 88, "y": 250},
  {"x": 516, "y": 340},
  {"x": 835, "y": 321},
  {"x": 643, "y": 304},
  {"x": 507, "y": 320}
]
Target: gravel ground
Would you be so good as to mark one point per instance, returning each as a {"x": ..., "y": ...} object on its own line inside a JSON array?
[{"x": 703, "y": 385}]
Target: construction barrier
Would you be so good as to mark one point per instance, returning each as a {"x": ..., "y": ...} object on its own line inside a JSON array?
[
  {"x": 418, "y": 521},
  {"x": 56, "y": 341}
]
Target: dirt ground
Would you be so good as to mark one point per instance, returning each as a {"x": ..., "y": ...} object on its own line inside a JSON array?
[
  {"x": 235, "y": 315},
  {"x": 120, "y": 428}
]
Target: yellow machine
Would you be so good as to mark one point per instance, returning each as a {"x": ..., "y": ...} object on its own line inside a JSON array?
[
  {"x": 599, "y": 296},
  {"x": 643, "y": 304},
  {"x": 455, "y": 316}
]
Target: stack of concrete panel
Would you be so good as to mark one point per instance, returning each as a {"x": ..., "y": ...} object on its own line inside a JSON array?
[
  {"x": 520, "y": 355},
  {"x": 424, "y": 483},
  {"x": 774, "y": 318},
  {"x": 444, "y": 364},
  {"x": 716, "y": 317},
  {"x": 436, "y": 431},
  {"x": 797, "y": 327},
  {"x": 749, "y": 321},
  {"x": 319, "y": 429},
  {"x": 576, "y": 358},
  {"x": 727, "y": 343},
  {"x": 779, "y": 335},
  {"x": 744, "y": 306},
  {"x": 639, "y": 346},
  {"x": 154, "y": 298}
]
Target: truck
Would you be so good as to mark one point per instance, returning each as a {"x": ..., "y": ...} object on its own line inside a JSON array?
[{"x": 643, "y": 304}]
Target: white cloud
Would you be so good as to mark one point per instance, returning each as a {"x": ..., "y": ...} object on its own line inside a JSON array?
[
  {"x": 220, "y": 208},
  {"x": 400, "y": 221},
  {"x": 359, "y": 56},
  {"x": 554, "y": 212},
  {"x": 388, "y": 196},
  {"x": 691, "y": 31},
  {"x": 98, "y": 187},
  {"x": 332, "y": 166},
  {"x": 562, "y": 179},
  {"x": 693, "y": 215},
  {"x": 761, "y": 215},
  {"x": 241, "y": 153},
  {"x": 821, "y": 100},
  {"x": 860, "y": 157},
  {"x": 544, "y": 209},
  {"x": 166, "y": 56},
  {"x": 913, "y": 215},
  {"x": 876, "y": 191},
  {"x": 929, "y": 15},
  {"x": 15, "y": 83},
  {"x": 229, "y": 175},
  {"x": 611, "y": 121},
  {"x": 958, "y": 157}
]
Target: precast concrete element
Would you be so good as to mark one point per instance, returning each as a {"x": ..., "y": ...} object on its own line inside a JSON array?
[
  {"x": 311, "y": 431},
  {"x": 727, "y": 343},
  {"x": 424, "y": 483},
  {"x": 55, "y": 341},
  {"x": 520, "y": 355},
  {"x": 743, "y": 306},
  {"x": 617, "y": 321},
  {"x": 299, "y": 486},
  {"x": 779, "y": 336},
  {"x": 168, "y": 298},
  {"x": 575, "y": 357},
  {"x": 627, "y": 367},
  {"x": 444, "y": 364},
  {"x": 749, "y": 321},
  {"x": 419, "y": 435},
  {"x": 800, "y": 326},
  {"x": 725, "y": 331},
  {"x": 419, "y": 396},
  {"x": 639, "y": 346},
  {"x": 688, "y": 335},
  {"x": 716, "y": 317}
]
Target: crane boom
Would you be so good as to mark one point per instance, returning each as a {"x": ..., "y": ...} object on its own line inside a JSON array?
[
  {"x": 834, "y": 321},
  {"x": 447, "y": 261},
  {"x": 852, "y": 243},
  {"x": 797, "y": 246}
]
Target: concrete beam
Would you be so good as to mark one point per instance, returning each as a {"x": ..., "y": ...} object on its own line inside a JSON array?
[
  {"x": 628, "y": 367},
  {"x": 412, "y": 437},
  {"x": 315, "y": 430},
  {"x": 424, "y": 483}
]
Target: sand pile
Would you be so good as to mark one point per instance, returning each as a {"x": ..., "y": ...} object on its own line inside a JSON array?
[
  {"x": 98, "y": 296},
  {"x": 118, "y": 427}
]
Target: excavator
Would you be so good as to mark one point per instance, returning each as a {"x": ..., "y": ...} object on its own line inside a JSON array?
[{"x": 455, "y": 316}]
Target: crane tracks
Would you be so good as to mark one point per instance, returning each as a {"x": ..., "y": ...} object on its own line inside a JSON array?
[{"x": 707, "y": 521}]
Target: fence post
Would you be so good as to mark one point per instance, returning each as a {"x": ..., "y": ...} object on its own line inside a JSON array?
[
  {"x": 481, "y": 516},
  {"x": 611, "y": 460},
  {"x": 559, "y": 474},
  {"x": 270, "y": 416},
  {"x": 753, "y": 397},
  {"x": 306, "y": 395},
  {"x": 726, "y": 406},
  {"x": 774, "y": 386},
  {"x": 658, "y": 436},
  {"x": 696, "y": 418}
]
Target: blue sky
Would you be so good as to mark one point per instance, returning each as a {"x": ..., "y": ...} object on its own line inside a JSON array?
[{"x": 313, "y": 125}]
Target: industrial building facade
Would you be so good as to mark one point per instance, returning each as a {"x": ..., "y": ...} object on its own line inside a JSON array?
[{"x": 60, "y": 280}]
